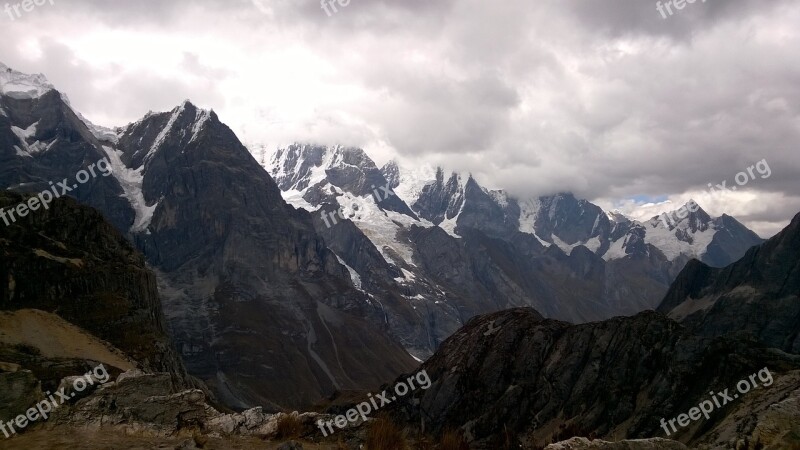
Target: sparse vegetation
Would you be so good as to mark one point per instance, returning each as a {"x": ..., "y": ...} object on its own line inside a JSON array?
[
  {"x": 383, "y": 434},
  {"x": 508, "y": 438},
  {"x": 200, "y": 440},
  {"x": 452, "y": 440},
  {"x": 289, "y": 427},
  {"x": 566, "y": 431},
  {"x": 27, "y": 349}
]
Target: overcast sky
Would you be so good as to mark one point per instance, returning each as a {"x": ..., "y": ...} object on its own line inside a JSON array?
[{"x": 606, "y": 99}]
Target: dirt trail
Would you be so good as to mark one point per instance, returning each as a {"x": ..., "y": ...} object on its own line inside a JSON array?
[{"x": 57, "y": 338}]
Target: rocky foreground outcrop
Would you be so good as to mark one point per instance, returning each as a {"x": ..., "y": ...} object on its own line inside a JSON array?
[
  {"x": 514, "y": 375},
  {"x": 139, "y": 402},
  {"x": 141, "y": 410},
  {"x": 759, "y": 294},
  {"x": 68, "y": 260},
  {"x": 640, "y": 444}
]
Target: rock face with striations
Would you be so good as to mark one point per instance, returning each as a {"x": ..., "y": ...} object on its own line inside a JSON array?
[
  {"x": 70, "y": 261},
  {"x": 759, "y": 294},
  {"x": 539, "y": 381},
  {"x": 243, "y": 273},
  {"x": 641, "y": 444},
  {"x": 42, "y": 140}
]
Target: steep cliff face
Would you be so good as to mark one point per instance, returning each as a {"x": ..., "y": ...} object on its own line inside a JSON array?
[
  {"x": 70, "y": 261},
  {"x": 243, "y": 273},
  {"x": 514, "y": 374},
  {"x": 42, "y": 140},
  {"x": 759, "y": 294}
]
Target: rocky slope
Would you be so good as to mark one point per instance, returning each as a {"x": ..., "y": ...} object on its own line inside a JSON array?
[
  {"x": 759, "y": 294},
  {"x": 514, "y": 375},
  {"x": 69, "y": 261}
]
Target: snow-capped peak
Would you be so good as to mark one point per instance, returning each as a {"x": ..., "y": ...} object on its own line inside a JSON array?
[
  {"x": 176, "y": 113},
  {"x": 616, "y": 216},
  {"x": 19, "y": 85},
  {"x": 411, "y": 181},
  {"x": 197, "y": 123},
  {"x": 690, "y": 214}
]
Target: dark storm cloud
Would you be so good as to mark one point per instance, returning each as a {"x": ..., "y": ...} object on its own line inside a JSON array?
[
  {"x": 606, "y": 99},
  {"x": 624, "y": 17}
]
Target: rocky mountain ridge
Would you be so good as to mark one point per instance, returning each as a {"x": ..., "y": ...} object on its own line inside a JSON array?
[
  {"x": 759, "y": 294},
  {"x": 239, "y": 271},
  {"x": 466, "y": 250}
]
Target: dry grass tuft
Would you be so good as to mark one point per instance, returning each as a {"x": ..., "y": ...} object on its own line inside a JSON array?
[
  {"x": 289, "y": 427},
  {"x": 452, "y": 440},
  {"x": 385, "y": 435}
]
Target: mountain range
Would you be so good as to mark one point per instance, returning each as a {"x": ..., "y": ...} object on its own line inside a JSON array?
[
  {"x": 269, "y": 305},
  {"x": 453, "y": 249},
  {"x": 209, "y": 281}
]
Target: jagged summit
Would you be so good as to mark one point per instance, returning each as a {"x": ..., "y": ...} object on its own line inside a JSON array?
[
  {"x": 181, "y": 126},
  {"x": 617, "y": 216},
  {"x": 313, "y": 175},
  {"x": 690, "y": 211},
  {"x": 20, "y": 85}
]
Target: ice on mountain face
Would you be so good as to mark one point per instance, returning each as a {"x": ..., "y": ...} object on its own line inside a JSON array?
[
  {"x": 102, "y": 134},
  {"x": 449, "y": 225},
  {"x": 29, "y": 149},
  {"x": 592, "y": 244},
  {"x": 499, "y": 197},
  {"x": 617, "y": 249},
  {"x": 131, "y": 182},
  {"x": 304, "y": 172},
  {"x": 380, "y": 227},
  {"x": 291, "y": 169},
  {"x": 295, "y": 198},
  {"x": 202, "y": 116},
  {"x": 23, "y": 86},
  {"x": 668, "y": 241},
  {"x": 176, "y": 113},
  {"x": 617, "y": 217},
  {"x": 416, "y": 358},
  {"x": 673, "y": 240},
  {"x": 25, "y": 134},
  {"x": 354, "y": 276},
  {"x": 412, "y": 181},
  {"x": 18, "y": 85},
  {"x": 528, "y": 213}
]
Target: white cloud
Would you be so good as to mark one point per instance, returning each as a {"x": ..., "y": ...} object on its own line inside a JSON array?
[{"x": 607, "y": 100}]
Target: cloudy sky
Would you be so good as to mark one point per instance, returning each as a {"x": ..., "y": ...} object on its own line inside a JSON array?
[{"x": 603, "y": 98}]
